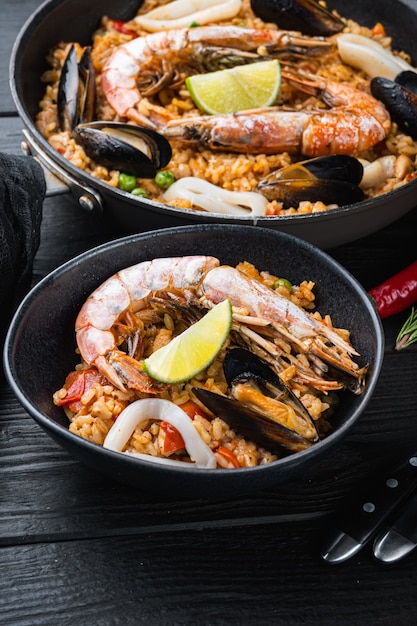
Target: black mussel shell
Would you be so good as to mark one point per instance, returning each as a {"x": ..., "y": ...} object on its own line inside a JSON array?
[
  {"x": 252, "y": 425},
  {"x": 136, "y": 150},
  {"x": 306, "y": 16},
  {"x": 241, "y": 363},
  {"x": 87, "y": 88},
  {"x": 67, "y": 99},
  {"x": 292, "y": 192},
  {"x": 330, "y": 167},
  {"x": 336, "y": 167},
  {"x": 76, "y": 90},
  {"x": 407, "y": 79},
  {"x": 400, "y": 101}
]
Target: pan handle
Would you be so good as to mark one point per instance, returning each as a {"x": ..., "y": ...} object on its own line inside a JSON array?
[{"x": 59, "y": 182}]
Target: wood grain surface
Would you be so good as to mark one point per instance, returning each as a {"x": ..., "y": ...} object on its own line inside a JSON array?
[{"x": 77, "y": 548}]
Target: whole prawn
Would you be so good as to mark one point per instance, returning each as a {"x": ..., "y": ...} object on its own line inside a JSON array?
[
  {"x": 125, "y": 65},
  {"x": 354, "y": 122},
  {"x": 125, "y": 292},
  {"x": 201, "y": 281}
]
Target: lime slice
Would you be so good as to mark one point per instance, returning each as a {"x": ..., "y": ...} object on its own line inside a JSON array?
[
  {"x": 192, "y": 351},
  {"x": 237, "y": 89}
]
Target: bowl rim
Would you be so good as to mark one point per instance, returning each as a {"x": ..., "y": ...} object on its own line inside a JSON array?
[{"x": 58, "y": 430}]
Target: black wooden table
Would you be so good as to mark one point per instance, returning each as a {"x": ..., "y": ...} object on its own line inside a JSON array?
[{"x": 77, "y": 548}]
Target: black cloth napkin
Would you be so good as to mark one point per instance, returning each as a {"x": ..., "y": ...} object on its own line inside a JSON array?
[{"x": 22, "y": 191}]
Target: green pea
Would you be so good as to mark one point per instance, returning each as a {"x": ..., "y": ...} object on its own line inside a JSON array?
[
  {"x": 164, "y": 179},
  {"x": 126, "y": 182},
  {"x": 139, "y": 191},
  {"x": 282, "y": 281}
]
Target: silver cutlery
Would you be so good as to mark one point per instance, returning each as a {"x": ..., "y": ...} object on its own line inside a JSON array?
[
  {"x": 360, "y": 521},
  {"x": 400, "y": 538}
]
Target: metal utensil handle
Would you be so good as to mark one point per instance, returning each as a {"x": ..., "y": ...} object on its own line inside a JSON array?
[
  {"x": 59, "y": 182},
  {"x": 398, "y": 540},
  {"x": 365, "y": 516},
  {"x": 361, "y": 519}
]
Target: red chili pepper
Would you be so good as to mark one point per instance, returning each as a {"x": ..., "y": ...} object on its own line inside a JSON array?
[
  {"x": 173, "y": 440},
  {"x": 122, "y": 28},
  {"x": 228, "y": 455},
  {"x": 76, "y": 384},
  {"x": 397, "y": 293}
]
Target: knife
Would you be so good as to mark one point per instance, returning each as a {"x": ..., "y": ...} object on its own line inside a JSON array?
[
  {"x": 362, "y": 518},
  {"x": 400, "y": 539}
]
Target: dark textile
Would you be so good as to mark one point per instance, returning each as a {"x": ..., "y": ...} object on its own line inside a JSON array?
[{"x": 22, "y": 191}]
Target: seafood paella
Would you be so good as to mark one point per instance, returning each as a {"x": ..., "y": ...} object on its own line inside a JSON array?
[
  {"x": 341, "y": 127},
  {"x": 269, "y": 391}
]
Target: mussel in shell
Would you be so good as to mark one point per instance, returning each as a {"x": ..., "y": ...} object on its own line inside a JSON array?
[
  {"x": 306, "y": 16},
  {"x": 260, "y": 405},
  {"x": 331, "y": 167},
  {"x": 251, "y": 424},
  {"x": 400, "y": 98},
  {"x": 332, "y": 179},
  {"x": 136, "y": 150},
  {"x": 76, "y": 90}
]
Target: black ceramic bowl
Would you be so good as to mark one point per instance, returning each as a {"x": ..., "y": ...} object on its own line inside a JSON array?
[{"x": 40, "y": 344}]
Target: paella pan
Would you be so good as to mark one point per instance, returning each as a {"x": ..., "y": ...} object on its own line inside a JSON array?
[{"x": 347, "y": 210}]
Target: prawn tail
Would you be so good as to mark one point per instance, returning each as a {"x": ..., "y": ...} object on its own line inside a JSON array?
[{"x": 130, "y": 373}]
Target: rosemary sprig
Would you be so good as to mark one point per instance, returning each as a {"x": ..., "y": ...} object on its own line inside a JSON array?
[{"x": 408, "y": 333}]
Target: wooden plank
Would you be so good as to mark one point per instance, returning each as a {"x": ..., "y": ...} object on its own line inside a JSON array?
[
  {"x": 268, "y": 576},
  {"x": 15, "y": 17}
]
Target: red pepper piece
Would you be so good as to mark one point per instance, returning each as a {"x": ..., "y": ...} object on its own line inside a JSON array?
[
  {"x": 173, "y": 441},
  {"x": 192, "y": 409},
  {"x": 272, "y": 210},
  {"x": 397, "y": 293},
  {"x": 122, "y": 28},
  {"x": 76, "y": 384},
  {"x": 228, "y": 455}
]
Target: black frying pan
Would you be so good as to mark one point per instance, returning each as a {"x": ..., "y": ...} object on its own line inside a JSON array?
[{"x": 75, "y": 20}]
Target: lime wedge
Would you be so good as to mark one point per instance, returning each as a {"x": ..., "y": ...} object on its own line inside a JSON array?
[
  {"x": 192, "y": 351},
  {"x": 237, "y": 89}
]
